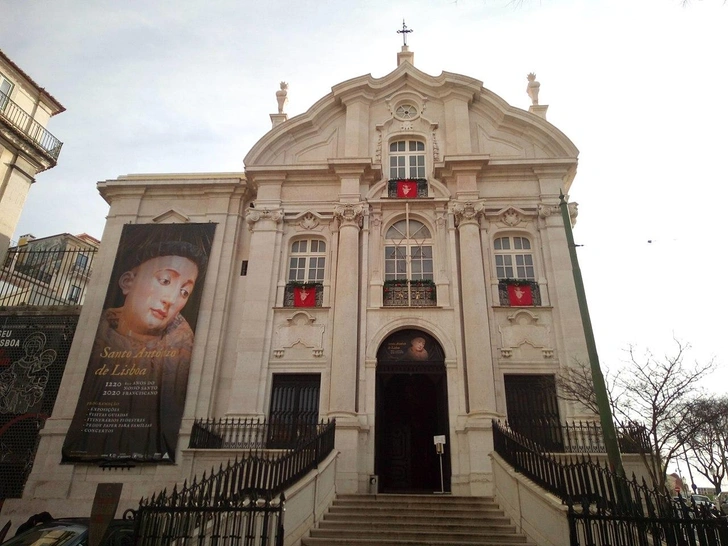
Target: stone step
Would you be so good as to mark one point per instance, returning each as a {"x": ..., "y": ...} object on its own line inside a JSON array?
[
  {"x": 413, "y": 520},
  {"x": 449, "y": 511},
  {"x": 403, "y": 524},
  {"x": 309, "y": 541},
  {"x": 424, "y": 534},
  {"x": 424, "y": 499}
]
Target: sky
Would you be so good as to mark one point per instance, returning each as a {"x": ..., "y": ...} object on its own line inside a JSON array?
[{"x": 640, "y": 87}]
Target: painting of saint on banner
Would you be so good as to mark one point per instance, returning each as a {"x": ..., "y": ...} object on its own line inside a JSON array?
[{"x": 133, "y": 394}]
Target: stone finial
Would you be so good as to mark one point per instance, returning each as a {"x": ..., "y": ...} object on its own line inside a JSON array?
[
  {"x": 282, "y": 97},
  {"x": 533, "y": 87}
]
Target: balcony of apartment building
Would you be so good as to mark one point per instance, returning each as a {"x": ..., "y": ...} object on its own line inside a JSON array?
[
  {"x": 22, "y": 125},
  {"x": 40, "y": 277}
]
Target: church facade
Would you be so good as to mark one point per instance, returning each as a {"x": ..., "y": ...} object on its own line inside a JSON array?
[{"x": 394, "y": 258}]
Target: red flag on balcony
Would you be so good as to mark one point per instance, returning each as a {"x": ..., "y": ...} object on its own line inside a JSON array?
[
  {"x": 407, "y": 188},
  {"x": 304, "y": 296},
  {"x": 520, "y": 295}
]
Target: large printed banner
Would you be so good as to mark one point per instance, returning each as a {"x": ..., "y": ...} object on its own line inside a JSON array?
[
  {"x": 134, "y": 391},
  {"x": 33, "y": 353}
]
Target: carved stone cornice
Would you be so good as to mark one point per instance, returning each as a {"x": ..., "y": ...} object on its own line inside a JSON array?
[
  {"x": 252, "y": 216},
  {"x": 468, "y": 212},
  {"x": 350, "y": 214}
]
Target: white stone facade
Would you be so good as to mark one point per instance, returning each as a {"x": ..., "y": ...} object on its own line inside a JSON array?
[{"x": 492, "y": 171}]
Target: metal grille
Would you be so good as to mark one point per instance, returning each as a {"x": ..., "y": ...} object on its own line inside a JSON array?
[
  {"x": 45, "y": 277},
  {"x": 33, "y": 355}
]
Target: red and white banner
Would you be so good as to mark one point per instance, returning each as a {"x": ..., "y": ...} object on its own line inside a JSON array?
[
  {"x": 520, "y": 295},
  {"x": 304, "y": 297},
  {"x": 407, "y": 189}
]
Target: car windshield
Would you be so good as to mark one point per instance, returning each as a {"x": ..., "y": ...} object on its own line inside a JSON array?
[
  {"x": 700, "y": 498},
  {"x": 45, "y": 536}
]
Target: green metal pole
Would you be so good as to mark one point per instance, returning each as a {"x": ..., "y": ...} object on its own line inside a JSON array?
[{"x": 600, "y": 388}]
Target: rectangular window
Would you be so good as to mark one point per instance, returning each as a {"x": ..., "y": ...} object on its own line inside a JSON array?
[
  {"x": 74, "y": 294},
  {"x": 5, "y": 88},
  {"x": 294, "y": 406}
]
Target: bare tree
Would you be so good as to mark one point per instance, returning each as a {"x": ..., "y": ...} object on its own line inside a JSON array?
[
  {"x": 708, "y": 446},
  {"x": 647, "y": 394}
]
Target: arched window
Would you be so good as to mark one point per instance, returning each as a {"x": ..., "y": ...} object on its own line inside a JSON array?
[
  {"x": 307, "y": 262},
  {"x": 408, "y": 252},
  {"x": 407, "y": 159},
  {"x": 513, "y": 258}
]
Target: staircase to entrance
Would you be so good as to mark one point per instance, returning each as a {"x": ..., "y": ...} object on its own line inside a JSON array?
[{"x": 421, "y": 520}]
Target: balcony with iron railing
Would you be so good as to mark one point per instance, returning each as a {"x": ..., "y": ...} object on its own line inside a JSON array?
[
  {"x": 37, "y": 278},
  {"x": 23, "y": 122},
  {"x": 409, "y": 293}
]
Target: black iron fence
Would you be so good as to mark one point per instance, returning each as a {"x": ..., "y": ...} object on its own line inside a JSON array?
[
  {"x": 241, "y": 504},
  {"x": 252, "y": 433},
  {"x": 579, "y": 436},
  {"x": 25, "y": 123},
  {"x": 605, "y": 509},
  {"x": 32, "y": 277}
]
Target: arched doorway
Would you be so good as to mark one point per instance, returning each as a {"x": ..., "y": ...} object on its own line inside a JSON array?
[{"x": 411, "y": 409}]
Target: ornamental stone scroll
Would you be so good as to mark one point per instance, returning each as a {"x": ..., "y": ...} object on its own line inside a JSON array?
[
  {"x": 252, "y": 216},
  {"x": 468, "y": 212},
  {"x": 350, "y": 215},
  {"x": 544, "y": 211}
]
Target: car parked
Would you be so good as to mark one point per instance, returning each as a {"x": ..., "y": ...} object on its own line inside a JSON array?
[
  {"x": 701, "y": 500},
  {"x": 73, "y": 532}
]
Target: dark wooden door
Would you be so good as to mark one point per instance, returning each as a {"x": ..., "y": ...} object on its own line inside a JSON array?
[{"x": 411, "y": 410}]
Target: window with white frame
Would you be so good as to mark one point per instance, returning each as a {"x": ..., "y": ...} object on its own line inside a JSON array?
[
  {"x": 407, "y": 159},
  {"x": 5, "y": 88},
  {"x": 307, "y": 261},
  {"x": 408, "y": 251},
  {"x": 513, "y": 258}
]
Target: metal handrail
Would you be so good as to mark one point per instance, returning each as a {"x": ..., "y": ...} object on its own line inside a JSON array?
[{"x": 24, "y": 122}]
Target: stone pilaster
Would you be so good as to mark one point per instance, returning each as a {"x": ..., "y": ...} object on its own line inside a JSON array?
[
  {"x": 346, "y": 311},
  {"x": 250, "y": 368},
  {"x": 476, "y": 328}
]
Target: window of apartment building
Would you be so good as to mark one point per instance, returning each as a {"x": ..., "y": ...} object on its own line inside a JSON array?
[
  {"x": 74, "y": 293},
  {"x": 407, "y": 159},
  {"x": 5, "y": 88},
  {"x": 513, "y": 258},
  {"x": 81, "y": 262},
  {"x": 408, "y": 252}
]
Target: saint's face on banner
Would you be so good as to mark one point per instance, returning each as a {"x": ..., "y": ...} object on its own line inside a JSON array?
[
  {"x": 156, "y": 291},
  {"x": 135, "y": 387}
]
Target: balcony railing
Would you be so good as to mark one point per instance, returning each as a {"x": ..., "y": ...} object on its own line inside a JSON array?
[
  {"x": 252, "y": 434},
  {"x": 519, "y": 293},
  {"x": 24, "y": 122},
  {"x": 579, "y": 436},
  {"x": 45, "y": 277},
  {"x": 303, "y": 294},
  {"x": 403, "y": 293}
]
